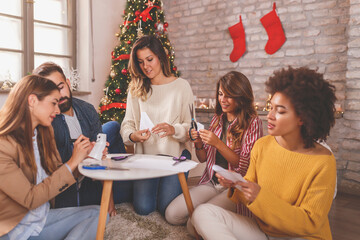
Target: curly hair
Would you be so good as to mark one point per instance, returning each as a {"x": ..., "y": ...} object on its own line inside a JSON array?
[
  {"x": 312, "y": 97},
  {"x": 237, "y": 86}
]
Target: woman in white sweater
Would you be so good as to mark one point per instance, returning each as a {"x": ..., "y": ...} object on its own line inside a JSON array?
[{"x": 165, "y": 99}]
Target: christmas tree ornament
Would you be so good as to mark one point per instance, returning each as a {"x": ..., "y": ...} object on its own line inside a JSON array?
[
  {"x": 112, "y": 73},
  {"x": 237, "y": 34},
  {"x": 117, "y": 91},
  {"x": 274, "y": 30},
  {"x": 124, "y": 71},
  {"x": 129, "y": 42},
  {"x": 137, "y": 13},
  {"x": 139, "y": 30},
  {"x": 166, "y": 24},
  {"x": 174, "y": 69},
  {"x": 105, "y": 100}
]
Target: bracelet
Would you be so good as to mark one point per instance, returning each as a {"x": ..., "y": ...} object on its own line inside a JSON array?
[
  {"x": 130, "y": 138},
  {"x": 202, "y": 147}
]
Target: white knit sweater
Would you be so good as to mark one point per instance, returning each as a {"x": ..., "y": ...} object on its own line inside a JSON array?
[{"x": 167, "y": 103}]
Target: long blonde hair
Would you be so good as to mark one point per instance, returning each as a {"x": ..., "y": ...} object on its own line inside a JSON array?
[
  {"x": 140, "y": 85},
  {"x": 237, "y": 86},
  {"x": 15, "y": 121}
]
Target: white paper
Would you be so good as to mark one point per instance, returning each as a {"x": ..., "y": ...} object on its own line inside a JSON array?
[
  {"x": 199, "y": 126},
  {"x": 155, "y": 162},
  {"x": 232, "y": 176},
  {"x": 145, "y": 122}
]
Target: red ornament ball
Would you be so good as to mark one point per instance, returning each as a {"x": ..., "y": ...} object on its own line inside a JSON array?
[
  {"x": 137, "y": 13},
  {"x": 129, "y": 42},
  {"x": 124, "y": 71},
  {"x": 117, "y": 91},
  {"x": 166, "y": 24},
  {"x": 174, "y": 68}
]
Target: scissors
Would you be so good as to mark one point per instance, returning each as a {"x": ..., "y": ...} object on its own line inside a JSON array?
[
  {"x": 179, "y": 159},
  {"x": 193, "y": 124}
]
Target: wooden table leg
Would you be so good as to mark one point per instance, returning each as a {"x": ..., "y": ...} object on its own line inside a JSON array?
[
  {"x": 187, "y": 197},
  {"x": 104, "y": 206}
]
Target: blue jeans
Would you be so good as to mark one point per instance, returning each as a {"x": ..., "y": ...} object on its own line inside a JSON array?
[
  {"x": 112, "y": 130},
  {"x": 69, "y": 223},
  {"x": 150, "y": 194}
]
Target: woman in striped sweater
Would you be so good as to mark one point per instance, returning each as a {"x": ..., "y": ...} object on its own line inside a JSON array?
[
  {"x": 233, "y": 131},
  {"x": 290, "y": 182}
]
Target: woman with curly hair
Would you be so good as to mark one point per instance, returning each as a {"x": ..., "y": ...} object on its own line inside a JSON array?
[
  {"x": 233, "y": 131},
  {"x": 291, "y": 178}
]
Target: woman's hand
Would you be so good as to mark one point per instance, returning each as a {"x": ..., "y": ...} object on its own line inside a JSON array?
[
  {"x": 140, "y": 136},
  {"x": 250, "y": 190},
  {"x": 209, "y": 137},
  {"x": 82, "y": 147},
  {"x": 195, "y": 135},
  {"x": 224, "y": 182},
  {"x": 165, "y": 128}
]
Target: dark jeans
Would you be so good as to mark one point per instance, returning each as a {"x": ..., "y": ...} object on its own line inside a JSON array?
[{"x": 89, "y": 192}]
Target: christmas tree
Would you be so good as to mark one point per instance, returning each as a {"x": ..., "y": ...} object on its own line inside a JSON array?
[{"x": 141, "y": 17}]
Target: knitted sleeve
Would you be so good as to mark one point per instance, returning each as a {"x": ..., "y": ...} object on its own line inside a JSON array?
[{"x": 131, "y": 119}]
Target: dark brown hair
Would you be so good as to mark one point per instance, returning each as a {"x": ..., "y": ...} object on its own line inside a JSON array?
[
  {"x": 15, "y": 121},
  {"x": 48, "y": 68},
  {"x": 140, "y": 85},
  {"x": 237, "y": 86},
  {"x": 312, "y": 97}
]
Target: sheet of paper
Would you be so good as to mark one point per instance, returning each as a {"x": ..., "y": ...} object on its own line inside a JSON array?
[
  {"x": 155, "y": 162},
  {"x": 199, "y": 126},
  {"x": 233, "y": 176},
  {"x": 145, "y": 122}
]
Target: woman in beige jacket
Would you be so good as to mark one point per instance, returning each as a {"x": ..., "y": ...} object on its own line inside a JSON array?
[{"x": 31, "y": 172}]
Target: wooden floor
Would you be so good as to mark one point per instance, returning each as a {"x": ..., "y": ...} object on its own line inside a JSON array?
[{"x": 345, "y": 217}]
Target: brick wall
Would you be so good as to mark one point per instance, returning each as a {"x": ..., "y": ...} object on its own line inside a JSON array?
[{"x": 321, "y": 34}]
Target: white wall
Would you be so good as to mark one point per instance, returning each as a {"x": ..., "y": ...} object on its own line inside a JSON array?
[{"x": 107, "y": 16}]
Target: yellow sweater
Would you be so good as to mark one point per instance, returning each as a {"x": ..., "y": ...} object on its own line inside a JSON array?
[{"x": 296, "y": 191}]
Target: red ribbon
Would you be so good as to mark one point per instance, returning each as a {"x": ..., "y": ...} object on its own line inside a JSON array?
[
  {"x": 145, "y": 15},
  {"x": 112, "y": 105},
  {"x": 121, "y": 57}
]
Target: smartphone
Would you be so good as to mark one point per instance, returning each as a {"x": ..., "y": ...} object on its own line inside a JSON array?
[{"x": 119, "y": 158}]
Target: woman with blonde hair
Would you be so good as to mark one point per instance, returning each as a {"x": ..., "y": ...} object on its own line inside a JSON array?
[
  {"x": 165, "y": 99},
  {"x": 31, "y": 172},
  {"x": 233, "y": 131}
]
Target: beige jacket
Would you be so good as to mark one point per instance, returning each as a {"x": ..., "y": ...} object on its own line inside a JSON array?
[{"x": 18, "y": 192}]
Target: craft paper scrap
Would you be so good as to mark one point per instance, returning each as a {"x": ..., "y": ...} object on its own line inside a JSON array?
[
  {"x": 146, "y": 161},
  {"x": 145, "y": 122},
  {"x": 199, "y": 126},
  {"x": 233, "y": 176}
]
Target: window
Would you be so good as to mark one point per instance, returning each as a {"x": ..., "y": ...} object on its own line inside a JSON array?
[{"x": 33, "y": 32}]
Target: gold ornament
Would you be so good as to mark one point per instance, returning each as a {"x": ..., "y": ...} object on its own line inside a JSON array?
[
  {"x": 139, "y": 33},
  {"x": 112, "y": 74},
  {"x": 105, "y": 100},
  {"x": 117, "y": 34}
]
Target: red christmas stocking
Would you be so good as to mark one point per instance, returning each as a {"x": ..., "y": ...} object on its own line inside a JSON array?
[
  {"x": 237, "y": 34},
  {"x": 274, "y": 30}
]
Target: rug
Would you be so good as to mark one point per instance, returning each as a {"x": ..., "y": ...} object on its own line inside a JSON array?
[{"x": 127, "y": 225}]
